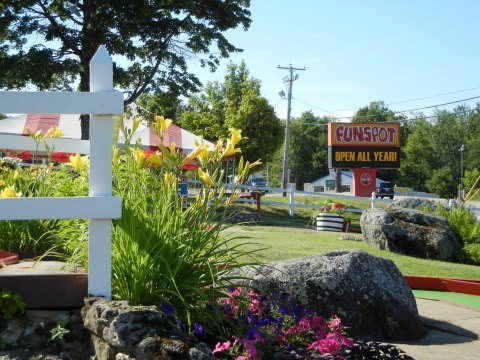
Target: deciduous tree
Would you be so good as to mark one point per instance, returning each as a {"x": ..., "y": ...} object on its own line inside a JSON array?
[
  {"x": 308, "y": 148},
  {"x": 49, "y": 43},
  {"x": 236, "y": 103}
]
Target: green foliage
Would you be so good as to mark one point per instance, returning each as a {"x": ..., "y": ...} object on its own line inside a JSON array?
[
  {"x": 376, "y": 111},
  {"x": 236, "y": 103},
  {"x": 164, "y": 253},
  {"x": 467, "y": 228},
  {"x": 442, "y": 183},
  {"x": 11, "y": 303},
  {"x": 58, "y": 332},
  {"x": 153, "y": 39},
  {"x": 472, "y": 184},
  {"x": 308, "y": 148},
  {"x": 472, "y": 251}
]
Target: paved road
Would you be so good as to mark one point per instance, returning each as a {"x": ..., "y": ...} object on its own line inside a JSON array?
[{"x": 453, "y": 332}]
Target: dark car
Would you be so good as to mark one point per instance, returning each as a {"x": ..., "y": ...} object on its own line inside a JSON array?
[
  {"x": 385, "y": 189},
  {"x": 257, "y": 182}
]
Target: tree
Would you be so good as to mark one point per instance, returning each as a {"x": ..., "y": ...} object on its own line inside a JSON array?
[
  {"x": 236, "y": 103},
  {"x": 376, "y": 111},
  {"x": 49, "y": 43},
  {"x": 419, "y": 158},
  {"x": 442, "y": 183},
  {"x": 308, "y": 148}
]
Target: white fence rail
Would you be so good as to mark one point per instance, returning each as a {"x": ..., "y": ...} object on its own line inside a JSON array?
[
  {"x": 291, "y": 194},
  {"x": 100, "y": 206}
]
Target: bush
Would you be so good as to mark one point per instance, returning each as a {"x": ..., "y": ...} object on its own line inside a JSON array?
[{"x": 467, "y": 228}]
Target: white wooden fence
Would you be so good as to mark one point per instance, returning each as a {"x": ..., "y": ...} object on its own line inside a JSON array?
[
  {"x": 100, "y": 206},
  {"x": 291, "y": 194}
]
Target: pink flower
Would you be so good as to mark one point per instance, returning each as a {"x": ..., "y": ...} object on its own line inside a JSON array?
[
  {"x": 249, "y": 346},
  {"x": 259, "y": 337},
  {"x": 329, "y": 345},
  {"x": 236, "y": 292},
  {"x": 241, "y": 357},
  {"x": 347, "y": 342},
  {"x": 334, "y": 324},
  {"x": 317, "y": 322},
  {"x": 222, "y": 347},
  {"x": 304, "y": 323}
]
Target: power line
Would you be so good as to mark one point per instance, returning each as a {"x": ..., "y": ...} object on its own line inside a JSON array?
[
  {"x": 396, "y": 112},
  {"x": 429, "y": 107},
  {"x": 430, "y": 97}
]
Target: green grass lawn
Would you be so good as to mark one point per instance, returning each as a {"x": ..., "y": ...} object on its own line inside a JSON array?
[{"x": 285, "y": 242}]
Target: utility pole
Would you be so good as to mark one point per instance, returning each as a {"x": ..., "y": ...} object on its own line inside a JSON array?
[{"x": 290, "y": 79}]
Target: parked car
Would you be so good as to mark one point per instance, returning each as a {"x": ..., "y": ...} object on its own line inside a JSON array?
[
  {"x": 385, "y": 189},
  {"x": 258, "y": 182}
]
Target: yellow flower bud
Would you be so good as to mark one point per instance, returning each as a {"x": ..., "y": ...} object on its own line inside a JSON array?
[
  {"x": 139, "y": 156},
  {"x": 254, "y": 164},
  {"x": 9, "y": 192}
]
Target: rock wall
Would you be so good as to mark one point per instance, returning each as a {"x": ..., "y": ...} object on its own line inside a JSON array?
[{"x": 122, "y": 331}]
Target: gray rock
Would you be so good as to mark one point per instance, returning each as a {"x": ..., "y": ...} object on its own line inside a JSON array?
[
  {"x": 367, "y": 292},
  {"x": 417, "y": 204},
  {"x": 140, "y": 332},
  {"x": 410, "y": 232}
]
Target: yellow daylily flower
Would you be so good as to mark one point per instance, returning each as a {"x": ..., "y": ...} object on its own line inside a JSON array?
[
  {"x": 136, "y": 123},
  {"x": 254, "y": 164},
  {"x": 205, "y": 177},
  {"x": 236, "y": 136},
  {"x": 161, "y": 125},
  {"x": 121, "y": 126},
  {"x": 139, "y": 156},
  {"x": 16, "y": 175},
  {"x": 54, "y": 132},
  {"x": 9, "y": 192},
  {"x": 37, "y": 135},
  {"x": 155, "y": 159},
  {"x": 231, "y": 199},
  {"x": 169, "y": 178},
  {"x": 197, "y": 151},
  {"x": 78, "y": 162},
  {"x": 230, "y": 149},
  {"x": 114, "y": 155},
  {"x": 172, "y": 148}
]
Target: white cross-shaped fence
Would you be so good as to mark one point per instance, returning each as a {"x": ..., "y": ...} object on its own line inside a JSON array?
[{"x": 100, "y": 207}]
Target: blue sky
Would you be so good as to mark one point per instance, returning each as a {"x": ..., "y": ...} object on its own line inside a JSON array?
[{"x": 358, "y": 51}]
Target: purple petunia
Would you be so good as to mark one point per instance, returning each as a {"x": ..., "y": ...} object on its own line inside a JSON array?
[
  {"x": 168, "y": 309},
  {"x": 197, "y": 329}
]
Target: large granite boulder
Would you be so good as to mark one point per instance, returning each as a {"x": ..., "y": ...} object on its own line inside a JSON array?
[
  {"x": 410, "y": 232},
  {"x": 420, "y": 204},
  {"x": 122, "y": 331},
  {"x": 367, "y": 292}
]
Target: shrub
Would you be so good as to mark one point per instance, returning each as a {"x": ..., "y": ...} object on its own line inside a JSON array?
[{"x": 467, "y": 228}]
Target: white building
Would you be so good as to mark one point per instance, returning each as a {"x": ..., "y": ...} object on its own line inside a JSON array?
[{"x": 327, "y": 183}]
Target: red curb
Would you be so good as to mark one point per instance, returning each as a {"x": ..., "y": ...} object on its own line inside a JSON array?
[
  {"x": 471, "y": 287},
  {"x": 8, "y": 258}
]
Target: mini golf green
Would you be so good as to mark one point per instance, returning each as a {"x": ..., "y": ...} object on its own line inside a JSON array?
[{"x": 471, "y": 301}]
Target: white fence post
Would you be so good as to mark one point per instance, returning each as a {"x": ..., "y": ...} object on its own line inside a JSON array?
[
  {"x": 374, "y": 200},
  {"x": 99, "y": 230},
  {"x": 100, "y": 206},
  {"x": 292, "y": 200}
]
